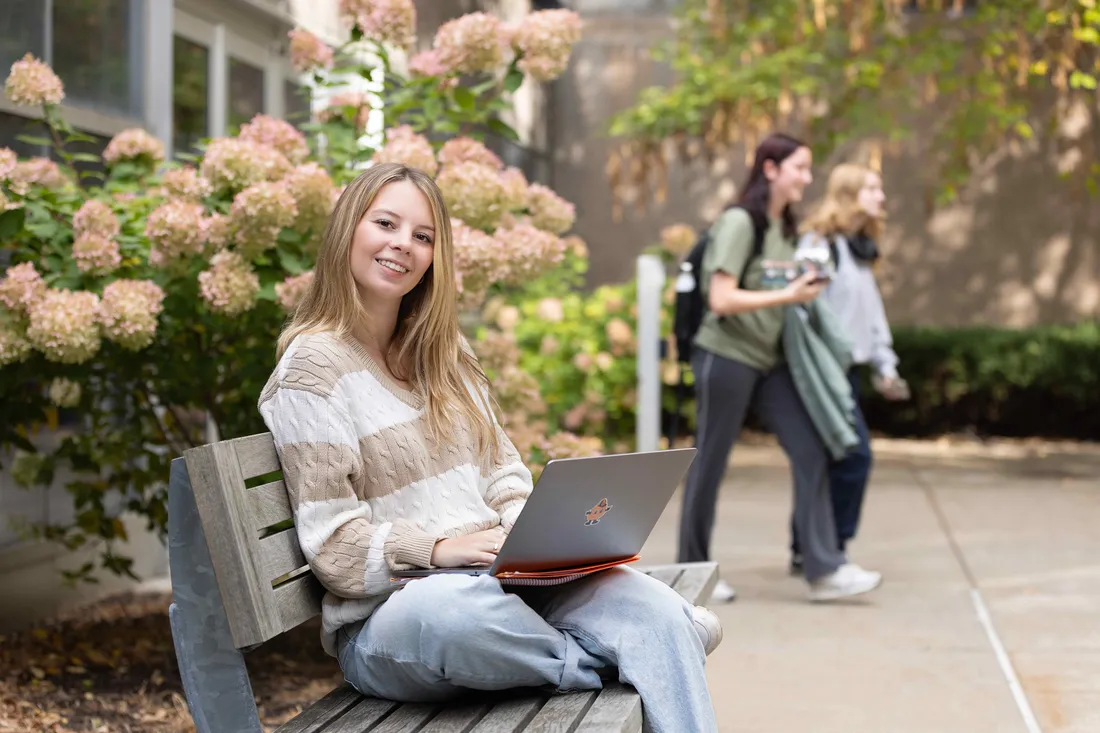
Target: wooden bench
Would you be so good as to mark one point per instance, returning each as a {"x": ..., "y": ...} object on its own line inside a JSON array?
[{"x": 239, "y": 579}]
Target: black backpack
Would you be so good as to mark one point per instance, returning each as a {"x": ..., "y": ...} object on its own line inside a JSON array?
[{"x": 690, "y": 307}]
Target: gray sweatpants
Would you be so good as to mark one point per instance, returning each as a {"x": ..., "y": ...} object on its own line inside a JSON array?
[{"x": 725, "y": 390}]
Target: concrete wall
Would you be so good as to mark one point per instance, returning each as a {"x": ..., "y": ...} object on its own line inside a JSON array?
[{"x": 1017, "y": 249}]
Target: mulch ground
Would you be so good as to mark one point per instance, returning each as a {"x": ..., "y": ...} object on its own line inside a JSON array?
[{"x": 111, "y": 668}]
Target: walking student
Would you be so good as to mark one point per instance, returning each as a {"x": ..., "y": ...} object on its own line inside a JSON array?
[
  {"x": 849, "y": 220},
  {"x": 739, "y": 364},
  {"x": 394, "y": 459}
]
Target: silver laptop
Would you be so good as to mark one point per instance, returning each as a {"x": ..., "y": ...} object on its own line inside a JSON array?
[{"x": 586, "y": 511}]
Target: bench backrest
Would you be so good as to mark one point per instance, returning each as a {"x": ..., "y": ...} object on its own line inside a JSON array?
[{"x": 265, "y": 583}]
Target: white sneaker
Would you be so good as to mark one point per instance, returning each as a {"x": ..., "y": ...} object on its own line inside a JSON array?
[
  {"x": 847, "y": 581},
  {"x": 723, "y": 592},
  {"x": 708, "y": 627}
]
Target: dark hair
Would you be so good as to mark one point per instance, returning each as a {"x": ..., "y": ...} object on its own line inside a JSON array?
[{"x": 756, "y": 193}]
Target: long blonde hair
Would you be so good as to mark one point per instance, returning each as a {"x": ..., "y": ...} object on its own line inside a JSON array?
[
  {"x": 429, "y": 349},
  {"x": 839, "y": 212}
]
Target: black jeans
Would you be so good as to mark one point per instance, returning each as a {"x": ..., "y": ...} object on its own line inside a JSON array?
[{"x": 848, "y": 478}]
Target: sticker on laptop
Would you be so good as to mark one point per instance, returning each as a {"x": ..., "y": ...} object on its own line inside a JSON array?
[{"x": 596, "y": 513}]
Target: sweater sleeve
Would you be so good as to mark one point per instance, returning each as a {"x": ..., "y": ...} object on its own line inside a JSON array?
[
  {"x": 509, "y": 483},
  {"x": 883, "y": 357},
  {"x": 351, "y": 554}
]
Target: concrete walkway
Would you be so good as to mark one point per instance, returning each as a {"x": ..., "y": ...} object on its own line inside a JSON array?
[{"x": 988, "y": 620}]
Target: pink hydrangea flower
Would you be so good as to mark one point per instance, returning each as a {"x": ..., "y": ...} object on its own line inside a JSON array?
[
  {"x": 470, "y": 43},
  {"x": 497, "y": 350},
  {"x": 403, "y": 145},
  {"x": 14, "y": 346},
  {"x": 37, "y": 171},
  {"x": 290, "y": 291},
  {"x": 314, "y": 194},
  {"x": 258, "y": 214},
  {"x": 474, "y": 193},
  {"x": 32, "y": 82},
  {"x": 229, "y": 286},
  {"x": 128, "y": 312},
  {"x": 95, "y": 217},
  {"x": 467, "y": 150},
  {"x": 96, "y": 254},
  {"x": 219, "y": 232},
  {"x": 133, "y": 144},
  {"x": 186, "y": 183},
  {"x": 530, "y": 251},
  {"x": 63, "y": 326},
  {"x": 231, "y": 164},
  {"x": 175, "y": 229},
  {"x": 383, "y": 21},
  {"x": 515, "y": 189},
  {"x": 278, "y": 134},
  {"x": 8, "y": 161},
  {"x": 339, "y": 104},
  {"x": 549, "y": 211},
  {"x": 308, "y": 52},
  {"x": 428, "y": 63},
  {"x": 563, "y": 444},
  {"x": 545, "y": 39},
  {"x": 64, "y": 392},
  {"x": 21, "y": 287},
  {"x": 477, "y": 258}
]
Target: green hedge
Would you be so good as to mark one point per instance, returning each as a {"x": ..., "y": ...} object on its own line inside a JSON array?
[{"x": 1041, "y": 381}]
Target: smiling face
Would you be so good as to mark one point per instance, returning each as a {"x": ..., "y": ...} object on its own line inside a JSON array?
[
  {"x": 871, "y": 196},
  {"x": 393, "y": 244},
  {"x": 789, "y": 179}
]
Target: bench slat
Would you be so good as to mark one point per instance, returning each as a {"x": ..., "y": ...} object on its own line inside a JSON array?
[
  {"x": 697, "y": 582},
  {"x": 510, "y": 716},
  {"x": 457, "y": 718},
  {"x": 362, "y": 717},
  {"x": 324, "y": 711},
  {"x": 298, "y": 600},
  {"x": 281, "y": 554},
  {"x": 561, "y": 713},
  {"x": 218, "y": 486},
  {"x": 408, "y": 718},
  {"x": 256, "y": 454},
  {"x": 268, "y": 504},
  {"x": 667, "y": 574},
  {"x": 618, "y": 709}
]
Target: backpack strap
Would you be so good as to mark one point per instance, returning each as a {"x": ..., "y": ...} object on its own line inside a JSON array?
[{"x": 758, "y": 234}]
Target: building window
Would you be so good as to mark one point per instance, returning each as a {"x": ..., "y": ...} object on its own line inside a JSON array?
[
  {"x": 297, "y": 103},
  {"x": 96, "y": 52},
  {"x": 95, "y": 46},
  {"x": 245, "y": 93},
  {"x": 190, "y": 94}
]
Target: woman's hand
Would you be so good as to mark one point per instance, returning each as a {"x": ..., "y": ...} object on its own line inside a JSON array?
[
  {"x": 894, "y": 389},
  {"x": 807, "y": 287},
  {"x": 479, "y": 548}
]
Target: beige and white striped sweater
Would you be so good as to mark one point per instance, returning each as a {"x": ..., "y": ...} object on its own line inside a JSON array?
[{"x": 370, "y": 490}]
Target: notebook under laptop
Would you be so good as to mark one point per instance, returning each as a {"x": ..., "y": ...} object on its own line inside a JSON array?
[{"x": 584, "y": 514}]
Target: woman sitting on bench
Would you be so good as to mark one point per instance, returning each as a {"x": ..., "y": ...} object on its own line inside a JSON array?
[{"x": 393, "y": 459}]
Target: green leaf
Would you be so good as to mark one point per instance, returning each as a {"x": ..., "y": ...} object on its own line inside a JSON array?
[
  {"x": 11, "y": 222},
  {"x": 513, "y": 80},
  {"x": 267, "y": 292},
  {"x": 465, "y": 98},
  {"x": 503, "y": 129},
  {"x": 34, "y": 140},
  {"x": 86, "y": 158},
  {"x": 1080, "y": 80},
  {"x": 291, "y": 262},
  {"x": 289, "y": 236}
]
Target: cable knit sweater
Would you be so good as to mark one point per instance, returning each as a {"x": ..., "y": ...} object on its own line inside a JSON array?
[{"x": 370, "y": 490}]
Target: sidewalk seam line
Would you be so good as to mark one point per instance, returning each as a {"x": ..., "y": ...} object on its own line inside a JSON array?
[{"x": 1008, "y": 671}]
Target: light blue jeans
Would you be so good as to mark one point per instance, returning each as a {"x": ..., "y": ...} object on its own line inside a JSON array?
[{"x": 444, "y": 634}]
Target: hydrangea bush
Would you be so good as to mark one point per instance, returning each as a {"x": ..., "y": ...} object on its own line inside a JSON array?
[{"x": 143, "y": 296}]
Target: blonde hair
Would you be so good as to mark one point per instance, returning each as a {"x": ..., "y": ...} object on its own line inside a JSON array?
[
  {"x": 430, "y": 351},
  {"x": 839, "y": 212}
]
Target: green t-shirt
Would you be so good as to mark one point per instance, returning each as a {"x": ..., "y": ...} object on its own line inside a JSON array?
[{"x": 751, "y": 338}]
